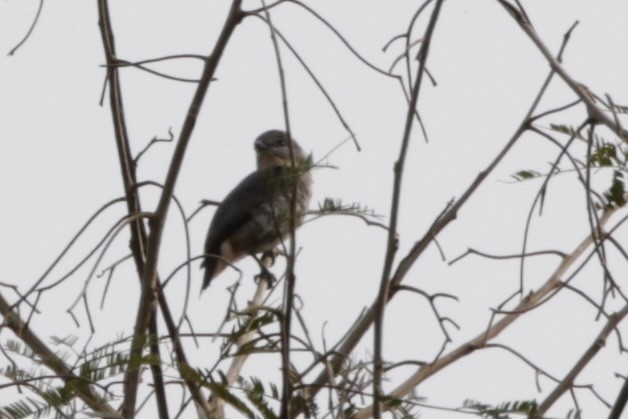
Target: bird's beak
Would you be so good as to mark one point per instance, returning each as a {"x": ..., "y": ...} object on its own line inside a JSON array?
[{"x": 260, "y": 146}]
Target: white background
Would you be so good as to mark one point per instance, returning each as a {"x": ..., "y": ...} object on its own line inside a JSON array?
[{"x": 59, "y": 164}]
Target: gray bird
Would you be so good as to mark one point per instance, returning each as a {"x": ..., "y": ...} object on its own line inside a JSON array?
[{"x": 254, "y": 217}]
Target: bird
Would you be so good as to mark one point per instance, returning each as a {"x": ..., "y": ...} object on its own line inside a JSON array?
[{"x": 255, "y": 216}]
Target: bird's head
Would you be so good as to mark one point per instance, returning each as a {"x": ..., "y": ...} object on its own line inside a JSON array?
[{"x": 272, "y": 148}]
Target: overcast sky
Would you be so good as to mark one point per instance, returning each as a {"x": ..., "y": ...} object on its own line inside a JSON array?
[{"x": 59, "y": 165}]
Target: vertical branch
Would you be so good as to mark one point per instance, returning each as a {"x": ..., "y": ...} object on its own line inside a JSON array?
[
  {"x": 288, "y": 295},
  {"x": 620, "y": 402},
  {"x": 392, "y": 244},
  {"x": 138, "y": 232},
  {"x": 216, "y": 403},
  {"x": 149, "y": 275},
  {"x": 129, "y": 180}
]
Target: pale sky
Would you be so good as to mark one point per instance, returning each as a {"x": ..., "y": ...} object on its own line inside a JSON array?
[{"x": 59, "y": 165}]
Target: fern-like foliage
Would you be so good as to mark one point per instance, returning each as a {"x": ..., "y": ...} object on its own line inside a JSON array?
[
  {"x": 222, "y": 391},
  {"x": 47, "y": 394},
  {"x": 619, "y": 109},
  {"x": 603, "y": 154},
  {"x": 502, "y": 411},
  {"x": 54, "y": 399},
  {"x": 257, "y": 396},
  {"x": 19, "y": 348},
  {"x": 335, "y": 205}
]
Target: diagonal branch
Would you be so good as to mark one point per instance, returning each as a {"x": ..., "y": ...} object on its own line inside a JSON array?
[
  {"x": 568, "y": 382},
  {"x": 551, "y": 285},
  {"x": 595, "y": 112},
  {"x": 404, "y": 266},
  {"x": 79, "y": 385},
  {"x": 620, "y": 402},
  {"x": 149, "y": 275}
]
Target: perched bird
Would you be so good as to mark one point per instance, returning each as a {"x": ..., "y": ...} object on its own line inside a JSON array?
[{"x": 255, "y": 216}]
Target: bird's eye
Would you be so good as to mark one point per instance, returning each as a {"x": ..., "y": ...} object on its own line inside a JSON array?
[{"x": 281, "y": 143}]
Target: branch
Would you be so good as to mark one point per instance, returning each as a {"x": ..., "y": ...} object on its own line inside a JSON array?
[
  {"x": 79, "y": 385},
  {"x": 139, "y": 238},
  {"x": 595, "y": 113},
  {"x": 471, "y": 251},
  {"x": 480, "y": 340},
  {"x": 620, "y": 403},
  {"x": 149, "y": 275},
  {"x": 392, "y": 242},
  {"x": 124, "y": 63},
  {"x": 233, "y": 373},
  {"x": 319, "y": 85},
  {"x": 30, "y": 30},
  {"x": 288, "y": 296},
  {"x": 595, "y": 347},
  {"x": 153, "y": 141},
  {"x": 129, "y": 179},
  {"x": 447, "y": 216}
]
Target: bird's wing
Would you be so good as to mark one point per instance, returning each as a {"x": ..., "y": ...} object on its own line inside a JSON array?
[
  {"x": 241, "y": 213},
  {"x": 238, "y": 206}
]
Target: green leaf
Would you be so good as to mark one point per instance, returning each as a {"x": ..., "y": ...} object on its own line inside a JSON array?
[
  {"x": 616, "y": 194},
  {"x": 53, "y": 398},
  {"x": 526, "y": 407},
  {"x": 605, "y": 155},
  {"x": 222, "y": 391},
  {"x": 257, "y": 396},
  {"x": 567, "y": 130},
  {"x": 525, "y": 174}
]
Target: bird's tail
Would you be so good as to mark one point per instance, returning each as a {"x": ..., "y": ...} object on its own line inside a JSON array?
[{"x": 213, "y": 265}]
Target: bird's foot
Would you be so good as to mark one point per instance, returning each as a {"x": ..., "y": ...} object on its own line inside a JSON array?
[
  {"x": 271, "y": 255},
  {"x": 265, "y": 275}
]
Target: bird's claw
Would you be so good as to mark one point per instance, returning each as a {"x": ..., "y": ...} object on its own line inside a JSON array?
[
  {"x": 265, "y": 274},
  {"x": 272, "y": 255}
]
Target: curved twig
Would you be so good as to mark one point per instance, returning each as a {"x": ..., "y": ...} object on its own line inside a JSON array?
[{"x": 30, "y": 30}]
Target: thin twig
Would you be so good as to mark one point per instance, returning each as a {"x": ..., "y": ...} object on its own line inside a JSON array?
[
  {"x": 392, "y": 243},
  {"x": 153, "y": 141},
  {"x": 288, "y": 296},
  {"x": 30, "y": 30},
  {"x": 361, "y": 326},
  {"x": 595, "y": 113},
  {"x": 123, "y": 63},
  {"x": 584, "y": 360},
  {"x": 502, "y": 257},
  {"x": 320, "y": 86},
  {"x": 480, "y": 340}
]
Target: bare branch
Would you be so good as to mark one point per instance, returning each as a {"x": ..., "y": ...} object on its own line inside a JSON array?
[
  {"x": 480, "y": 340},
  {"x": 502, "y": 257},
  {"x": 30, "y": 30},
  {"x": 584, "y": 360},
  {"x": 392, "y": 244},
  {"x": 595, "y": 113},
  {"x": 153, "y": 141}
]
